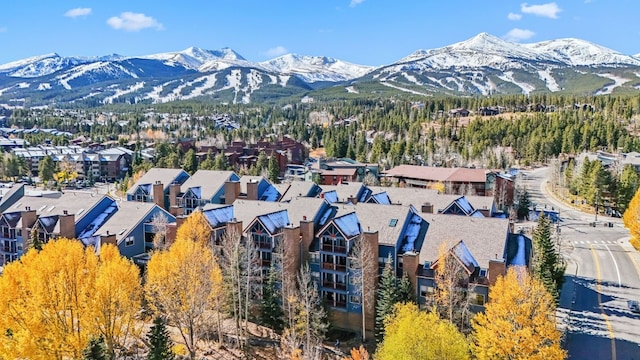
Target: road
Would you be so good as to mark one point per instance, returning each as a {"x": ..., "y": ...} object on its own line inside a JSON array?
[{"x": 603, "y": 273}]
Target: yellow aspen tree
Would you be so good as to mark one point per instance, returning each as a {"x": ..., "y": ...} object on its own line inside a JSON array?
[
  {"x": 518, "y": 322},
  {"x": 195, "y": 228},
  {"x": 46, "y": 302},
  {"x": 179, "y": 286},
  {"x": 631, "y": 219},
  {"x": 117, "y": 298},
  {"x": 414, "y": 334},
  {"x": 358, "y": 354}
]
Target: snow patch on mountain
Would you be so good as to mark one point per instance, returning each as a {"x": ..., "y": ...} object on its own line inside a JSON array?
[
  {"x": 352, "y": 90},
  {"x": 385, "y": 83},
  {"x": 44, "y": 86},
  {"x": 119, "y": 92},
  {"x": 617, "y": 81},
  {"x": 508, "y": 77},
  {"x": 549, "y": 80},
  {"x": 578, "y": 52},
  {"x": 315, "y": 68},
  {"x": 108, "y": 68},
  {"x": 284, "y": 79},
  {"x": 23, "y": 85}
]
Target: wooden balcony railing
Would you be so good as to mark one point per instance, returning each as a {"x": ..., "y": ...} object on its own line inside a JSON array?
[
  {"x": 334, "y": 267},
  {"x": 334, "y": 248},
  {"x": 334, "y": 285}
]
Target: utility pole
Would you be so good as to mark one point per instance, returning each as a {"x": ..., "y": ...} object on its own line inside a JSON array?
[{"x": 597, "y": 193}]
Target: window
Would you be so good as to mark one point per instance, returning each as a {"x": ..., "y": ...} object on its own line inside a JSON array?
[
  {"x": 354, "y": 299},
  {"x": 315, "y": 276},
  {"x": 483, "y": 272},
  {"x": 129, "y": 241},
  {"x": 393, "y": 222},
  {"x": 314, "y": 257},
  {"x": 480, "y": 299},
  {"x": 426, "y": 291}
]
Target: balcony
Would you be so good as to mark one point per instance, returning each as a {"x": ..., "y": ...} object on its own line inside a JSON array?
[
  {"x": 335, "y": 285},
  {"x": 265, "y": 263},
  {"x": 264, "y": 245},
  {"x": 334, "y": 248},
  {"x": 334, "y": 267}
]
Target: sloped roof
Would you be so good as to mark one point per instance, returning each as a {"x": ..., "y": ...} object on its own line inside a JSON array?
[
  {"x": 218, "y": 215},
  {"x": 275, "y": 220},
  {"x": 348, "y": 224},
  {"x": 484, "y": 237},
  {"x": 73, "y": 202},
  {"x": 209, "y": 181},
  {"x": 417, "y": 197},
  {"x": 165, "y": 176},
  {"x": 344, "y": 191},
  {"x": 435, "y": 174},
  {"x": 128, "y": 215},
  {"x": 380, "y": 218},
  {"x": 297, "y": 188}
]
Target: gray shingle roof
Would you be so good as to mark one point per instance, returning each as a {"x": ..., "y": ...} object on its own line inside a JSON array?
[
  {"x": 484, "y": 237},
  {"x": 165, "y": 176},
  {"x": 209, "y": 181},
  {"x": 128, "y": 215}
]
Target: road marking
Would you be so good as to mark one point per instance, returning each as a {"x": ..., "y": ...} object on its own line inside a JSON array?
[
  {"x": 615, "y": 263},
  {"x": 604, "y": 315}
]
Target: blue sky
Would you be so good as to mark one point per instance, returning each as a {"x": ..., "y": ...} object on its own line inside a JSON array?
[{"x": 369, "y": 32}]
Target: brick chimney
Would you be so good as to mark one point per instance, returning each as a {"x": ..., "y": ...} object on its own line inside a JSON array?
[
  {"x": 410, "y": 264},
  {"x": 180, "y": 220},
  {"x": 170, "y": 235},
  {"x": 352, "y": 199},
  {"x": 291, "y": 243},
  {"x": 370, "y": 239},
  {"x": 108, "y": 239},
  {"x": 307, "y": 233},
  {"x": 497, "y": 268},
  {"x": 234, "y": 226},
  {"x": 231, "y": 191},
  {"x": 29, "y": 219},
  {"x": 158, "y": 194},
  {"x": 174, "y": 190},
  {"x": 67, "y": 225},
  {"x": 252, "y": 190}
]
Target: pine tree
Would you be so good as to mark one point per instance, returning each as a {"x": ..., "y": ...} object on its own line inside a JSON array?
[
  {"x": 406, "y": 292},
  {"x": 95, "y": 350},
  {"x": 547, "y": 263},
  {"x": 523, "y": 205},
  {"x": 271, "y": 313},
  {"x": 274, "y": 169},
  {"x": 160, "y": 343},
  {"x": 387, "y": 297}
]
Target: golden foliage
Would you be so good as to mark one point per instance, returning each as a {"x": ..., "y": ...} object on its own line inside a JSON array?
[
  {"x": 414, "y": 334},
  {"x": 631, "y": 219},
  {"x": 195, "y": 228},
  {"x": 182, "y": 284},
  {"x": 518, "y": 323},
  {"x": 439, "y": 186},
  {"x": 54, "y": 300},
  {"x": 358, "y": 354}
]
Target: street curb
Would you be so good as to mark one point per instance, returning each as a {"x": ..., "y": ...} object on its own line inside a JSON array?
[{"x": 568, "y": 293}]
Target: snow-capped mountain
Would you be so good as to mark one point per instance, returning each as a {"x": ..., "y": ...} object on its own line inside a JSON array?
[
  {"x": 316, "y": 68},
  {"x": 483, "y": 64},
  {"x": 486, "y": 64}
]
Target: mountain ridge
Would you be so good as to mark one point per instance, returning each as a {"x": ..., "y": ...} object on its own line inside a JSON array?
[{"x": 481, "y": 65}]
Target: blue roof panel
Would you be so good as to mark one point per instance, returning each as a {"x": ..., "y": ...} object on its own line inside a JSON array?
[
  {"x": 197, "y": 191},
  {"x": 411, "y": 233},
  {"x": 270, "y": 194},
  {"x": 98, "y": 221},
  {"x": 520, "y": 258},
  {"x": 364, "y": 196},
  {"x": 219, "y": 216},
  {"x": 464, "y": 204},
  {"x": 275, "y": 221},
  {"x": 331, "y": 196},
  {"x": 349, "y": 224},
  {"x": 463, "y": 253},
  {"x": 382, "y": 198}
]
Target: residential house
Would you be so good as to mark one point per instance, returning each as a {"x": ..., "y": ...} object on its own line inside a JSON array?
[
  {"x": 154, "y": 186},
  {"x": 203, "y": 187},
  {"x": 462, "y": 181}
]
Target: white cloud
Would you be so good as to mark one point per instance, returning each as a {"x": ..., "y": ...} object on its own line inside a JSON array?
[
  {"x": 74, "y": 13},
  {"x": 549, "y": 10},
  {"x": 514, "y": 16},
  {"x": 277, "y": 51},
  {"x": 518, "y": 34},
  {"x": 129, "y": 21},
  {"x": 355, "y": 3}
]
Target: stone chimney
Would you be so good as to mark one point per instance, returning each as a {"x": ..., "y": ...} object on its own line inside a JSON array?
[
  {"x": 231, "y": 191},
  {"x": 252, "y": 190},
  {"x": 170, "y": 235},
  {"x": 427, "y": 208},
  {"x": 29, "y": 219},
  {"x": 174, "y": 190},
  {"x": 67, "y": 225},
  {"x": 352, "y": 199},
  {"x": 158, "y": 194},
  {"x": 108, "y": 239}
]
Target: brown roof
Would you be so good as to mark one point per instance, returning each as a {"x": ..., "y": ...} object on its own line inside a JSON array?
[
  {"x": 430, "y": 173},
  {"x": 338, "y": 172}
]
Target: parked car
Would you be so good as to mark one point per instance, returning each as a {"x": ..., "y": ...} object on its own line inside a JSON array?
[{"x": 634, "y": 306}]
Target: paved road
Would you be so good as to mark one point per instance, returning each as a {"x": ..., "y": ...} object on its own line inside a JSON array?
[{"x": 603, "y": 273}]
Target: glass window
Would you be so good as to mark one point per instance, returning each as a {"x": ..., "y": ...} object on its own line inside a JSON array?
[
  {"x": 354, "y": 299},
  {"x": 129, "y": 241}
]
